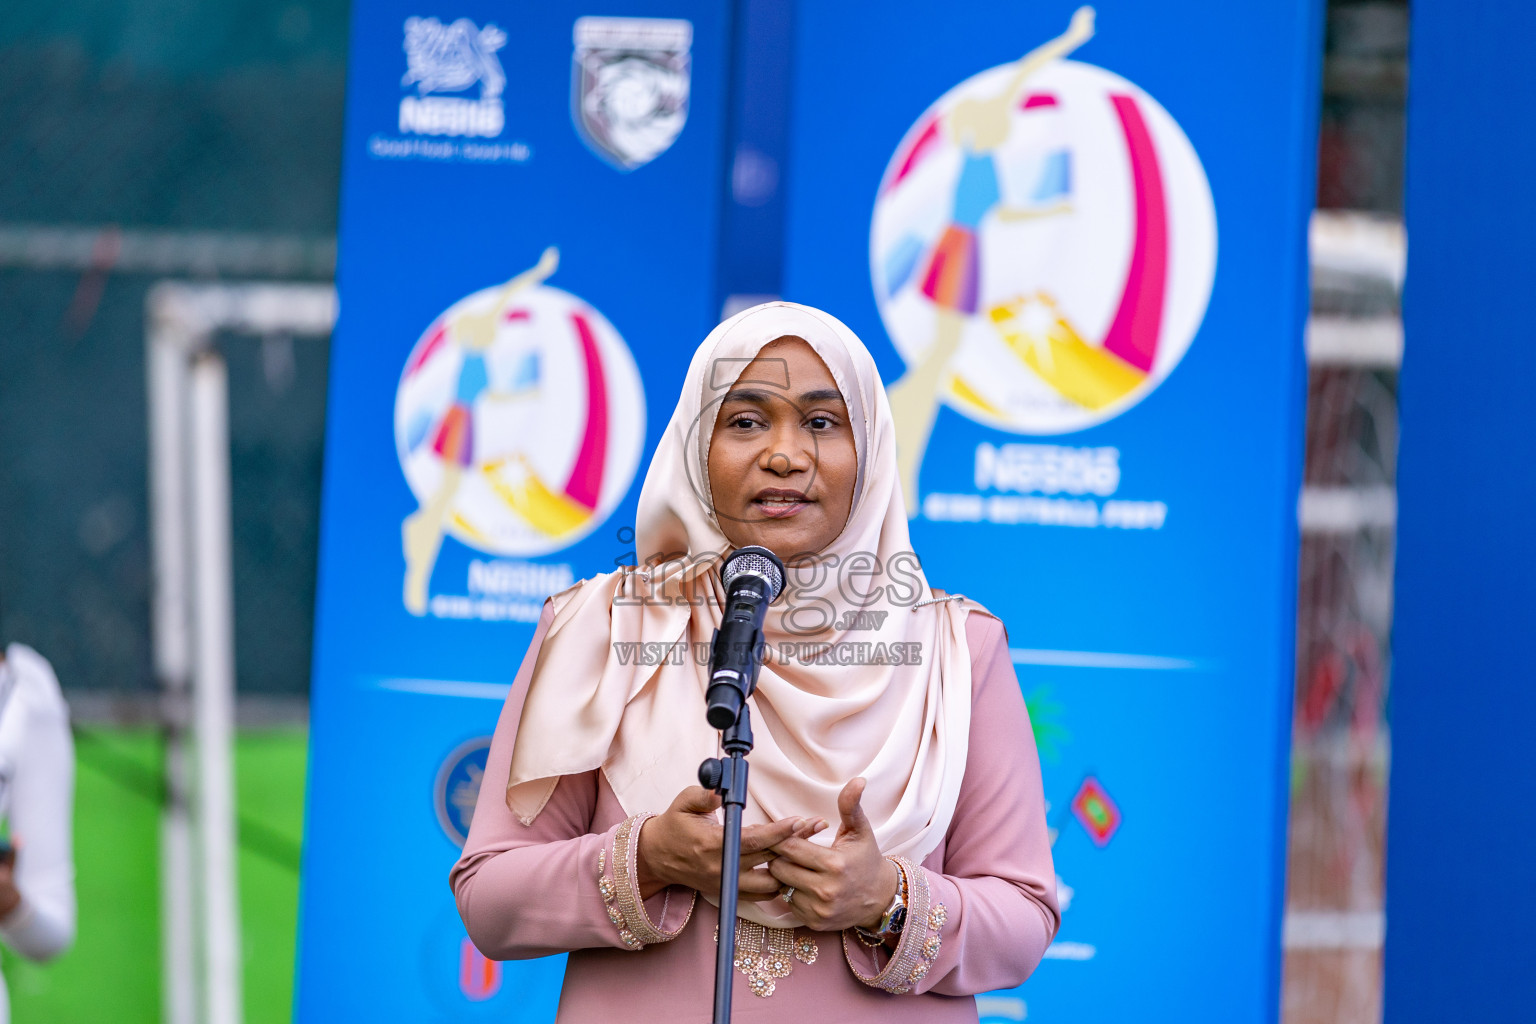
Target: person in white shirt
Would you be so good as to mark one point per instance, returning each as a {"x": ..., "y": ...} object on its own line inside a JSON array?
[{"x": 37, "y": 790}]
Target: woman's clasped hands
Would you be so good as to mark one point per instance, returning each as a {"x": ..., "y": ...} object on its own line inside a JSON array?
[
  {"x": 849, "y": 883},
  {"x": 828, "y": 888},
  {"x": 682, "y": 847}
]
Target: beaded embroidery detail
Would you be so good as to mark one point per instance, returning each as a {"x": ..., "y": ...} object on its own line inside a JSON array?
[
  {"x": 621, "y": 893},
  {"x": 764, "y": 955},
  {"x": 921, "y": 941}
]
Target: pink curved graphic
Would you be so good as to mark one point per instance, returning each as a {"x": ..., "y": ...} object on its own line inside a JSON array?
[
  {"x": 925, "y": 142},
  {"x": 1134, "y": 331},
  {"x": 433, "y": 343},
  {"x": 1038, "y": 99},
  {"x": 586, "y": 481}
]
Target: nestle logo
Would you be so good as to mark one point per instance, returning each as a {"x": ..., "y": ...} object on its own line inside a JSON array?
[
  {"x": 449, "y": 115},
  {"x": 452, "y": 58}
]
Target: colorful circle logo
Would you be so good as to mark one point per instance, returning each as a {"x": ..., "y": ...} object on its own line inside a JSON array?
[
  {"x": 519, "y": 422},
  {"x": 1042, "y": 248}
]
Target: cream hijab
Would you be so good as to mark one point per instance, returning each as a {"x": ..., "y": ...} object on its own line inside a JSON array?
[{"x": 903, "y": 727}]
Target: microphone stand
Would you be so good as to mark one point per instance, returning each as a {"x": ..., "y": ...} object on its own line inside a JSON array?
[
  {"x": 753, "y": 578},
  {"x": 728, "y": 777}
]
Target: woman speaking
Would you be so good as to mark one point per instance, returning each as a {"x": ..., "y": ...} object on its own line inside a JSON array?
[{"x": 894, "y": 852}]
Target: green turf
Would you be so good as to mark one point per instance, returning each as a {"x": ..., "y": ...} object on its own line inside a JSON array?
[
  {"x": 113, "y": 972},
  {"x": 269, "y": 775}
]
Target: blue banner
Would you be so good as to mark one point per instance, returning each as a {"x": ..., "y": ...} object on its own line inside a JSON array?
[
  {"x": 1462, "y": 662},
  {"x": 531, "y": 211},
  {"x": 1076, "y": 245}
]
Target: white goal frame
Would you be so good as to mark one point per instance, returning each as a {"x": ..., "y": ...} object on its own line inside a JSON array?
[{"x": 193, "y": 620}]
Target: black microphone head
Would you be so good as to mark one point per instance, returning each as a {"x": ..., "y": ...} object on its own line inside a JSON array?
[{"x": 754, "y": 561}]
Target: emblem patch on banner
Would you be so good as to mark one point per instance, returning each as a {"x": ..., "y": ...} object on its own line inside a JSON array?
[
  {"x": 458, "y": 787},
  {"x": 448, "y": 59},
  {"x": 629, "y": 88},
  {"x": 519, "y": 419},
  {"x": 1042, "y": 249}
]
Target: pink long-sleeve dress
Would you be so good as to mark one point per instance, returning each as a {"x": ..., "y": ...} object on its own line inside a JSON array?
[{"x": 982, "y": 907}]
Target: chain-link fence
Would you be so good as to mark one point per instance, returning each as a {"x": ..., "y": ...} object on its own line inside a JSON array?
[
  {"x": 212, "y": 134},
  {"x": 74, "y": 514}
]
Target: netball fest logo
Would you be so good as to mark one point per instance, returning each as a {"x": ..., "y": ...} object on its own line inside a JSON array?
[
  {"x": 1042, "y": 249},
  {"x": 519, "y": 420}
]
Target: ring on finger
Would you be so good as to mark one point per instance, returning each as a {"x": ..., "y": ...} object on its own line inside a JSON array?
[{"x": 788, "y": 895}]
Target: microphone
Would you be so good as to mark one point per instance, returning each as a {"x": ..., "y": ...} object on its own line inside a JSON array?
[{"x": 753, "y": 578}]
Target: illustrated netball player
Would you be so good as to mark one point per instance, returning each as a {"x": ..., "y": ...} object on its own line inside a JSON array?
[
  {"x": 951, "y": 278},
  {"x": 453, "y": 437}
]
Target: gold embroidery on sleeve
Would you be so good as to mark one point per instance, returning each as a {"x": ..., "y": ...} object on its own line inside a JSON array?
[
  {"x": 621, "y": 893},
  {"x": 921, "y": 940}
]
